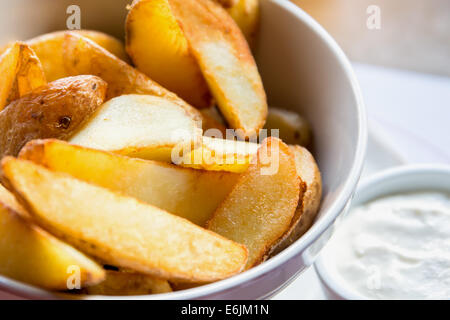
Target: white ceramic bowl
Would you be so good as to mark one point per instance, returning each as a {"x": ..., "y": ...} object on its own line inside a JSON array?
[
  {"x": 397, "y": 180},
  {"x": 303, "y": 70}
]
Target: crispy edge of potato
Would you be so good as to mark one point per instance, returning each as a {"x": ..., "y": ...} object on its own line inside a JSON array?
[
  {"x": 158, "y": 48},
  {"x": 48, "y": 48},
  {"x": 83, "y": 56},
  {"x": 308, "y": 208},
  {"x": 55, "y": 110},
  {"x": 33, "y": 184},
  {"x": 224, "y": 220},
  {"x": 128, "y": 283},
  {"x": 38, "y": 251},
  {"x": 116, "y": 172},
  {"x": 215, "y": 39}
]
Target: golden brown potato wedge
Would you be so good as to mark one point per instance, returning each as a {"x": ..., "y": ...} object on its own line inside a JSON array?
[
  {"x": 261, "y": 206},
  {"x": 158, "y": 48},
  {"x": 188, "y": 193},
  {"x": 293, "y": 128},
  {"x": 307, "y": 209},
  {"x": 21, "y": 73},
  {"x": 82, "y": 56},
  {"x": 31, "y": 255},
  {"x": 120, "y": 230},
  {"x": 214, "y": 154},
  {"x": 221, "y": 51},
  {"x": 8, "y": 70},
  {"x": 226, "y": 62},
  {"x": 55, "y": 110},
  {"x": 246, "y": 15},
  {"x": 141, "y": 126},
  {"x": 49, "y": 49},
  {"x": 124, "y": 283}
]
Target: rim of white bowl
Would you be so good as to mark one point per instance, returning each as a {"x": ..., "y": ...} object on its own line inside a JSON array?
[
  {"x": 305, "y": 241},
  {"x": 330, "y": 279}
]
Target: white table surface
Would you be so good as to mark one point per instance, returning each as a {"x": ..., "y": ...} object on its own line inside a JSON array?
[{"x": 409, "y": 117}]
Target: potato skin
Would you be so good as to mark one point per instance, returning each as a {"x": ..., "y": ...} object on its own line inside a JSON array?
[{"x": 56, "y": 110}]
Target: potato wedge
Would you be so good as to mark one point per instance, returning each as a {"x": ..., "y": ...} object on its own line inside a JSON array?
[
  {"x": 31, "y": 255},
  {"x": 219, "y": 155},
  {"x": 21, "y": 73},
  {"x": 293, "y": 128},
  {"x": 260, "y": 208},
  {"x": 188, "y": 193},
  {"x": 49, "y": 49},
  {"x": 158, "y": 48},
  {"x": 8, "y": 69},
  {"x": 56, "y": 110},
  {"x": 246, "y": 15},
  {"x": 141, "y": 126},
  {"x": 124, "y": 283},
  {"x": 226, "y": 63},
  {"x": 220, "y": 50},
  {"x": 82, "y": 56},
  {"x": 120, "y": 230},
  {"x": 307, "y": 210}
]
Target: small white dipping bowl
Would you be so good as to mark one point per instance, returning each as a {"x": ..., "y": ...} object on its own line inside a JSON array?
[{"x": 404, "y": 179}]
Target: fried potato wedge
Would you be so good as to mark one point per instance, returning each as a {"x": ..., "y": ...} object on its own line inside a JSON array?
[
  {"x": 226, "y": 62},
  {"x": 204, "y": 30},
  {"x": 188, "y": 193},
  {"x": 246, "y": 14},
  {"x": 56, "y": 110},
  {"x": 260, "y": 208},
  {"x": 308, "y": 208},
  {"x": 158, "y": 48},
  {"x": 8, "y": 69},
  {"x": 120, "y": 230},
  {"x": 49, "y": 49},
  {"x": 218, "y": 155},
  {"x": 31, "y": 255},
  {"x": 293, "y": 128},
  {"x": 21, "y": 73},
  {"x": 124, "y": 283},
  {"x": 141, "y": 126},
  {"x": 82, "y": 56}
]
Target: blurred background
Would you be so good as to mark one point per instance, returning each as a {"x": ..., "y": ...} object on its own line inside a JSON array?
[
  {"x": 413, "y": 34},
  {"x": 400, "y": 51}
]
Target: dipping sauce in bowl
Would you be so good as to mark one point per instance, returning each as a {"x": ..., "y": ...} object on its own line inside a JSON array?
[
  {"x": 396, "y": 247},
  {"x": 394, "y": 243}
]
